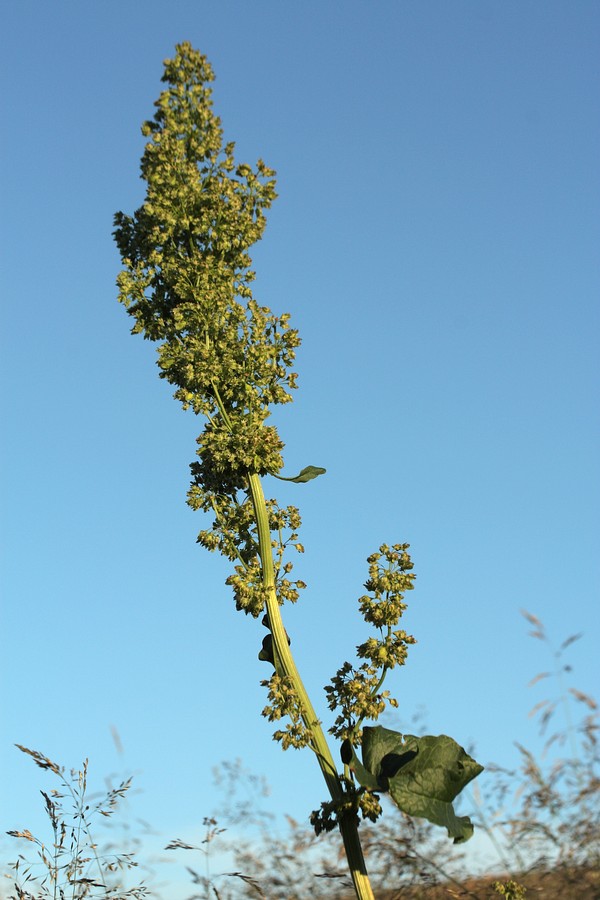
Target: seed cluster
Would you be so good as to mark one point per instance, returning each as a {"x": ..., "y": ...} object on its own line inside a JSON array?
[
  {"x": 186, "y": 281},
  {"x": 356, "y": 691},
  {"x": 284, "y": 701}
]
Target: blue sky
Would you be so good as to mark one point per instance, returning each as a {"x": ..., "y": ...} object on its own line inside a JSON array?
[{"x": 436, "y": 242}]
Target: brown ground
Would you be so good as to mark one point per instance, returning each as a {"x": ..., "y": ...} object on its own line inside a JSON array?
[{"x": 561, "y": 884}]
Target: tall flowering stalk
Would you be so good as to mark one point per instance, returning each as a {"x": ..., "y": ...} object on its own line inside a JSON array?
[{"x": 186, "y": 281}]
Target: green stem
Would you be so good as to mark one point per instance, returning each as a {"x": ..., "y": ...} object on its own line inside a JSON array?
[
  {"x": 372, "y": 695},
  {"x": 286, "y": 664},
  {"x": 285, "y": 661}
]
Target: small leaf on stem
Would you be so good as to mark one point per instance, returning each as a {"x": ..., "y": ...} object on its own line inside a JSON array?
[{"x": 307, "y": 474}]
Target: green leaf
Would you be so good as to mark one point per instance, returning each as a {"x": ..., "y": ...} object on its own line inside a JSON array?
[
  {"x": 306, "y": 474},
  {"x": 267, "y": 652},
  {"x": 363, "y": 776},
  {"x": 423, "y": 775}
]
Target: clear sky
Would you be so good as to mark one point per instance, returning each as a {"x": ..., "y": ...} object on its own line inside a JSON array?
[{"x": 436, "y": 242}]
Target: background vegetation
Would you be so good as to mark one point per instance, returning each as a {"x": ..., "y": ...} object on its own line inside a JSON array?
[{"x": 540, "y": 823}]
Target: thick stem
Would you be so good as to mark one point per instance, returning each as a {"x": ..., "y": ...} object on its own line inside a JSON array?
[{"x": 283, "y": 655}]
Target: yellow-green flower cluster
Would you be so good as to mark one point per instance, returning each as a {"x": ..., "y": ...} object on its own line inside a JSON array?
[
  {"x": 248, "y": 589},
  {"x": 284, "y": 701},
  {"x": 356, "y": 800},
  {"x": 187, "y": 283},
  {"x": 187, "y": 270},
  {"x": 356, "y": 692}
]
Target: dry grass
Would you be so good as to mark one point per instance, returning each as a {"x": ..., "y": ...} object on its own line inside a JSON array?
[
  {"x": 543, "y": 818},
  {"x": 580, "y": 883},
  {"x": 71, "y": 865}
]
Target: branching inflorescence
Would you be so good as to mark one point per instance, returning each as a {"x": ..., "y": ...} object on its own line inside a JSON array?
[
  {"x": 186, "y": 281},
  {"x": 357, "y": 691}
]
